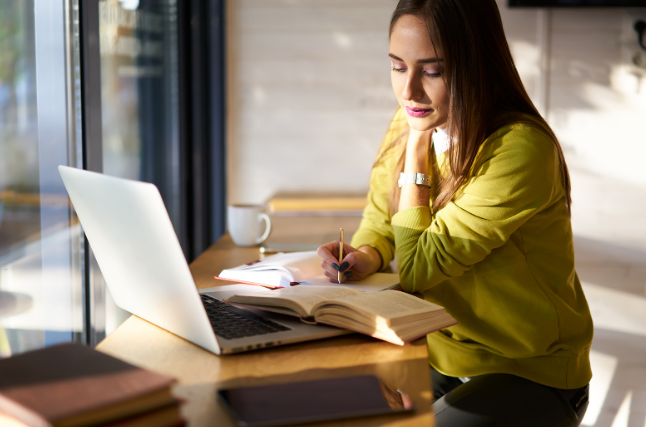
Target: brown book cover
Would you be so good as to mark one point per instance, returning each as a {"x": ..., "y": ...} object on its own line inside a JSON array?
[
  {"x": 70, "y": 385},
  {"x": 168, "y": 416}
]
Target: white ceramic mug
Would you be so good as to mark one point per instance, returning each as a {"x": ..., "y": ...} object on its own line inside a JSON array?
[{"x": 248, "y": 224}]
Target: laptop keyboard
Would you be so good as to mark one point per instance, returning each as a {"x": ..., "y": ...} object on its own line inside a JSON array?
[{"x": 230, "y": 322}]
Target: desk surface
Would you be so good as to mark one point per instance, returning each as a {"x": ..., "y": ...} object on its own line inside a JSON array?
[{"x": 201, "y": 373}]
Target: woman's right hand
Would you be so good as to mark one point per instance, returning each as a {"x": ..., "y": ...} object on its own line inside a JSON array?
[{"x": 356, "y": 264}]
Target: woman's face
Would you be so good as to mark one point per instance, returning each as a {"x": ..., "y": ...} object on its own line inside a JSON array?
[{"x": 417, "y": 75}]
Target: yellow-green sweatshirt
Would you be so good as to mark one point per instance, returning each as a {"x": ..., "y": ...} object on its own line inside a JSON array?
[{"x": 499, "y": 257}]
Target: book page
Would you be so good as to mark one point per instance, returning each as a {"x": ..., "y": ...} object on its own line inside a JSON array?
[
  {"x": 302, "y": 265},
  {"x": 393, "y": 316},
  {"x": 417, "y": 329},
  {"x": 374, "y": 283},
  {"x": 389, "y": 304},
  {"x": 299, "y": 298},
  {"x": 272, "y": 278}
]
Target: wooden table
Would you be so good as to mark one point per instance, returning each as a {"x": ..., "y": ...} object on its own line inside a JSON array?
[{"x": 200, "y": 373}]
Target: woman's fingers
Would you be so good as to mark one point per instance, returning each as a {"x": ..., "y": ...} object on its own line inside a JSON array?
[
  {"x": 328, "y": 269},
  {"x": 330, "y": 262},
  {"x": 358, "y": 265},
  {"x": 332, "y": 277},
  {"x": 329, "y": 252},
  {"x": 347, "y": 262}
]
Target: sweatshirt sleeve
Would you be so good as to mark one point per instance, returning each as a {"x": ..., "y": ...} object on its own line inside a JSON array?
[
  {"x": 375, "y": 229},
  {"x": 515, "y": 175}
]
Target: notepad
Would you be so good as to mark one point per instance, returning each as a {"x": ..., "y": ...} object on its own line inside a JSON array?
[{"x": 303, "y": 268}]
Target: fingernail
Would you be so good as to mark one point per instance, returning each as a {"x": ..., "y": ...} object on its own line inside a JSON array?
[
  {"x": 348, "y": 274},
  {"x": 336, "y": 266},
  {"x": 344, "y": 266}
]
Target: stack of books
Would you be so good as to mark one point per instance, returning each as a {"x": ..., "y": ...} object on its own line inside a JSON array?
[{"x": 70, "y": 385}]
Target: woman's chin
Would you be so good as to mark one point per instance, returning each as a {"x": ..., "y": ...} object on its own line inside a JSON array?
[
  {"x": 421, "y": 125},
  {"x": 426, "y": 123}
]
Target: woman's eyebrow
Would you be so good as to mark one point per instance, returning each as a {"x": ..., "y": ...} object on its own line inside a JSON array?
[{"x": 419, "y": 61}]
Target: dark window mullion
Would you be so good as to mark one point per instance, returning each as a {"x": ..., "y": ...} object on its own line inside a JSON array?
[{"x": 94, "y": 285}]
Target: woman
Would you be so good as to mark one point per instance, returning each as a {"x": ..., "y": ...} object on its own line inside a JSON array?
[{"x": 479, "y": 223}]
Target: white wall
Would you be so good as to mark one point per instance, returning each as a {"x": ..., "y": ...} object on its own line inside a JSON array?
[
  {"x": 310, "y": 97},
  {"x": 597, "y": 102}
]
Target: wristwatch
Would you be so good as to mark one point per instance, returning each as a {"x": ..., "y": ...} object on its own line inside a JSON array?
[{"x": 414, "y": 178}]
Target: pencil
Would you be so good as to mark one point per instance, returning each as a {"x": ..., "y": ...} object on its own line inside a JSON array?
[{"x": 340, "y": 274}]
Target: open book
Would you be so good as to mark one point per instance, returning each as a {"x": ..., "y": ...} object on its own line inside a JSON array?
[
  {"x": 304, "y": 268},
  {"x": 392, "y": 316}
]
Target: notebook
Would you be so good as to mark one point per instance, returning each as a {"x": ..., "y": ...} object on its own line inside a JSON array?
[{"x": 286, "y": 269}]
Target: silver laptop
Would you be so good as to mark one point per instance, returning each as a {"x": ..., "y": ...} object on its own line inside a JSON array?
[{"x": 140, "y": 257}]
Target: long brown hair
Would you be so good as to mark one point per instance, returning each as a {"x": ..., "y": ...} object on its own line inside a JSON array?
[{"x": 484, "y": 87}]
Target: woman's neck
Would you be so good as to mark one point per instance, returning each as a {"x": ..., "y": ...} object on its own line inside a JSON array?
[{"x": 441, "y": 141}]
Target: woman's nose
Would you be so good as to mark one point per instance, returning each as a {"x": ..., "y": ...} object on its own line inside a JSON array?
[{"x": 413, "y": 89}]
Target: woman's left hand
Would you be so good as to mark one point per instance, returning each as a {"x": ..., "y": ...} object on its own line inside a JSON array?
[{"x": 416, "y": 162}]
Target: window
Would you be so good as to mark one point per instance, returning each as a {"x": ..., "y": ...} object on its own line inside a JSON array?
[
  {"x": 99, "y": 85},
  {"x": 41, "y": 244}
]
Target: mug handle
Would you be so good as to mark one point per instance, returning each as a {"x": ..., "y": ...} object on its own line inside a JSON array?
[{"x": 264, "y": 236}]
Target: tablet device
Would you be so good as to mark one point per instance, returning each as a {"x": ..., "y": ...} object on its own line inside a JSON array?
[{"x": 310, "y": 401}]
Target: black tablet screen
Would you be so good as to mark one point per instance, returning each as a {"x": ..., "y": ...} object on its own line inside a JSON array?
[{"x": 319, "y": 400}]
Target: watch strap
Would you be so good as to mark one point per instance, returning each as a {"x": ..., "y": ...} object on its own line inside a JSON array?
[{"x": 414, "y": 178}]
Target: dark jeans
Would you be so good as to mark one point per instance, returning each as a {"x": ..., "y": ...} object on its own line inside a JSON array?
[{"x": 504, "y": 400}]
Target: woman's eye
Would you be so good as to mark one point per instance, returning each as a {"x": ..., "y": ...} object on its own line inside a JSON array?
[
  {"x": 432, "y": 73},
  {"x": 399, "y": 70}
]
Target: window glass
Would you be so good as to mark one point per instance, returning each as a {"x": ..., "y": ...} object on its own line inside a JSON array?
[
  {"x": 139, "y": 102},
  {"x": 41, "y": 298}
]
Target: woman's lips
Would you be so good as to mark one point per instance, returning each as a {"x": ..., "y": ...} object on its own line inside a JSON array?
[{"x": 418, "y": 112}]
